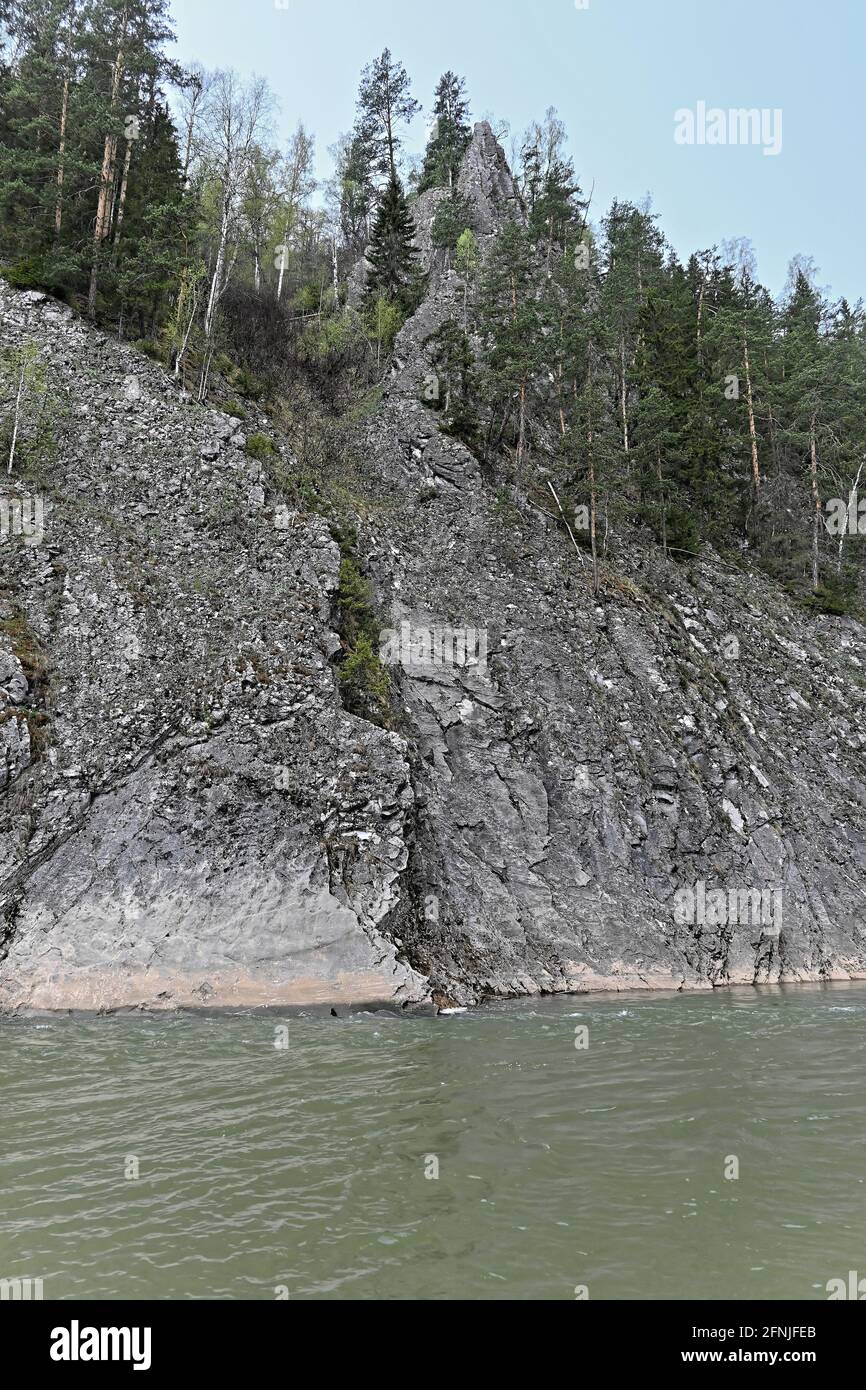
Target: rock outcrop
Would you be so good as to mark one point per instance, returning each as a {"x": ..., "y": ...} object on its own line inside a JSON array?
[{"x": 188, "y": 816}]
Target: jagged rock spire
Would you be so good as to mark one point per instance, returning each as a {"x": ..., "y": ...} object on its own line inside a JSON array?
[{"x": 486, "y": 179}]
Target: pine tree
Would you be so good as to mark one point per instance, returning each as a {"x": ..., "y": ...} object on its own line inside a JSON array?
[
  {"x": 632, "y": 261},
  {"x": 125, "y": 40},
  {"x": 48, "y": 36},
  {"x": 847, "y": 344},
  {"x": 83, "y": 112},
  {"x": 385, "y": 103},
  {"x": 450, "y": 136},
  {"x": 809, "y": 399},
  {"x": 741, "y": 336},
  {"x": 591, "y": 447}
]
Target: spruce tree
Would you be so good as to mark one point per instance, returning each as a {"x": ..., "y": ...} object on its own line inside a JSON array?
[
  {"x": 672, "y": 434},
  {"x": 392, "y": 254}
]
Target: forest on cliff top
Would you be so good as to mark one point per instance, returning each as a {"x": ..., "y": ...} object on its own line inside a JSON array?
[{"x": 678, "y": 399}]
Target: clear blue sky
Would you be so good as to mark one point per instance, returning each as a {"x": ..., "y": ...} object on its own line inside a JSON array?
[{"x": 616, "y": 72}]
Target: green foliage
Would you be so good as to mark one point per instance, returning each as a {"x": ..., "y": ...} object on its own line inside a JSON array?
[
  {"x": 384, "y": 319},
  {"x": 550, "y": 187},
  {"x": 308, "y": 298},
  {"x": 353, "y": 188},
  {"x": 239, "y": 378},
  {"x": 512, "y": 321},
  {"x": 467, "y": 255},
  {"x": 330, "y": 339},
  {"x": 365, "y": 683},
  {"x": 30, "y": 272},
  {"x": 355, "y": 604},
  {"x": 367, "y": 405},
  {"x": 679, "y": 398},
  {"x": 28, "y": 412},
  {"x": 81, "y": 93},
  {"x": 385, "y": 103},
  {"x": 836, "y": 596},
  {"x": 151, "y": 349},
  {"x": 364, "y": 680},
  {"x": 454, "y": 216},
  {"x": 675, "y": 528},
  {"x": 260, "y": 447}
]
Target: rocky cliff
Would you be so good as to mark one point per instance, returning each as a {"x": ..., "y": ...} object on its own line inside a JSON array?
[{"x": 190, "y": 816}]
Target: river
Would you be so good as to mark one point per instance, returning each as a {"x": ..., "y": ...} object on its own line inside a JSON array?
[{"x": 620, "y": 1147}]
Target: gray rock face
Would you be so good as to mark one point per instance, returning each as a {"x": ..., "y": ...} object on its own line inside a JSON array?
[
  {"x": 586, "y": 795},
  {"x": 486, "y": 179},
  {"x": 204, "y": 823},
  {"x": 599, "y": 761}
]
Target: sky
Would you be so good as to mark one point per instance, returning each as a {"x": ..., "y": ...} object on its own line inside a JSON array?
[{"x": 618, "y": 72}]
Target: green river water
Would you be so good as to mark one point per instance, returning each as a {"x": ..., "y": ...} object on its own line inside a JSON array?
[{"x": 198, "y": 1157}]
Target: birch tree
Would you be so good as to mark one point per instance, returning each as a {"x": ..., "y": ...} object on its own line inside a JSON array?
[
  {"x": 234, "y": 122},
  {"x": 298, "y": 184}
]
